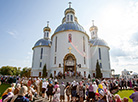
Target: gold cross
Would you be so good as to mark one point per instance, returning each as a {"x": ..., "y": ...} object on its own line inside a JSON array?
[
  {"x": 69, "y": 49},
  {"x": 69, "y": 4}
]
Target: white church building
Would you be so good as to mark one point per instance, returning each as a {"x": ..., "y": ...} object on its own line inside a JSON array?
[{"x": 70, "y": 49}]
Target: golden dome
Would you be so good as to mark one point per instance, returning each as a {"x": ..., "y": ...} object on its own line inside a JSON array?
[
  {"x": 69, "y": 10},
  {"x": 47, "y": 28},
  {"x": 93, "y": 27}
]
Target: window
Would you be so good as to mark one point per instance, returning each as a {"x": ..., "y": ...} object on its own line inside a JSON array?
[
  {"x": 67, "y": 17},
  {"x": 84, "y": 60},
  {"x": 55, "y": 60},
  {"x": 100, "y": 65},
  {"x": 47, "y": 34},
  {"x": 59, "y": 65},
  {"x": 83, "y": 44},
  {"x": 56, "y": 44},
  {"x": 40, "y": 64},
  {"x": 41, "y": 53},
  {"x": 71, "y": 18},
  {"x": 99, "y": 53},
  {"x": 69, "y": 38}
]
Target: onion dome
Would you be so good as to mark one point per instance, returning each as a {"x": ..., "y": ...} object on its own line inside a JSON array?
[
  {"x": 93, "y": 27},
  {"x": 70, "y": 26},
  {"x": 98, "y": 41},
  {"x": 43, "y": 42},
  {"x": 47, "y": 28},
  {"x": 69, "y": 10}
]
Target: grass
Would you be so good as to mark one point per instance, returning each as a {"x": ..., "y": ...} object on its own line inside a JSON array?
[
  {"x": 3, "y": 87},
  {"x": 125, "y": 93}
]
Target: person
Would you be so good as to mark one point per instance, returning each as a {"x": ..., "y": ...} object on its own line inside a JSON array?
[
  {"x": 134, "y": 96},
  {"x": 44, "y": 86},
  {"x": 29, "y": 94},
  {"x": 91, "y": 92},
  {"x": 21, "y": 96},
  {"x": 102, "y": 96},
  {"x": 62, "y": 87},
  {"x": 50, "y": 90},
  {"x": 68, "y": 91},
  {"x": 80, "y": 91},
  {"x": 56, "y": 97},
  {"x": 73, "y": 90},
  {"x": 16, "y": 91},
  {"x": 13, "y": 87},
  {"x": 6, "y": 94},
  {"x": 117, "y": 98}
]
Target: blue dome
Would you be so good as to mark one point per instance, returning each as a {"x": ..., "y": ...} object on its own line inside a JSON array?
[
  {"x": 42, "y": 42},
  {"x": 70, "y": 26},
  {"x": 98, "y": 41}
]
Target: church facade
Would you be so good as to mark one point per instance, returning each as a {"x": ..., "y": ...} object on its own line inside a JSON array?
[{"x": 71, "y": 49}]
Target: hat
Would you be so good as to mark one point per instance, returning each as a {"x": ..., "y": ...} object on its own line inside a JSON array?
[{"x": 101, "y": 92}]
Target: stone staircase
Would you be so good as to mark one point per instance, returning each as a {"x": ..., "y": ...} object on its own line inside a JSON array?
[{"x": 71, "y": 79}]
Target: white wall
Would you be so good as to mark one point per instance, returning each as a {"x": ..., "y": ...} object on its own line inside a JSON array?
[
  {"x": 63, "y": 45},
  {"x": 36, "y": 59}
]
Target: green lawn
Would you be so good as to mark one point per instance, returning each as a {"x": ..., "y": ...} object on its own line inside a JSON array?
[
  {"x": 125, "y": 93},
  {"x": 3, "y": 87}
]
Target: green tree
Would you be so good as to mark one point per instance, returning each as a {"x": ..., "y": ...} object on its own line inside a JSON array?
[
  {"x": 8, "y": 70},
  {"x": 26, "y": 72},
  {"x": 44, "y": 71},
  {"x": 98, "y": 70}
]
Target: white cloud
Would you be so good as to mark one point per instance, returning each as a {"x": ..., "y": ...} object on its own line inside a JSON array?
[{"x": 13, "y": 33}]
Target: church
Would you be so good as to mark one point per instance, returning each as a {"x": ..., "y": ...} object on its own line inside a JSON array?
[{"x": 70, "y": 48}]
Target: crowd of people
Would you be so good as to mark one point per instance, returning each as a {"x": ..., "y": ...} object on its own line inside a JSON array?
[{"x": 89, "y": 90}]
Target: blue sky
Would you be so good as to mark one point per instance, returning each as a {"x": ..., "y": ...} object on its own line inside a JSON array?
[{"x": 22, "y": 23}]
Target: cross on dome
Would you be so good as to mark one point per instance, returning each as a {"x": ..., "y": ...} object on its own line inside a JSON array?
[
  {"x": 47, "y": 23},
  {"x": 70, "y": 4},
  {"x": 93, "y": 22}
]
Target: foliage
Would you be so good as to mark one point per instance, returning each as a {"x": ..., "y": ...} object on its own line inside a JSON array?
[
  {"x": 98, "y": 70},
  {"x": 9, "y": 70},
  {"x": 44, "y": 71},
  {"x": 26, "y": 72}
]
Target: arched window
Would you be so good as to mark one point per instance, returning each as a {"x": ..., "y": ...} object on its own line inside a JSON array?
[
  {"x": 84, "y": 60},
  {"x": 47, "y": 34},
  {"x": 83, "y": 44},
  {"x": 41, "y": 53},
  {"x": 67, "y": 17},
  {"x": 99, "y": 53},
  {"x": 55, "y": 60},
  {"x": 71, "y": 17},
  {"x": 40, "y": 64},
  {"x": 69, "y": 38},
  {"x": 56, "y": 44}
]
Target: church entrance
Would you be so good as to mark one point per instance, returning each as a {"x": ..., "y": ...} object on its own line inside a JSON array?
[{"x": 70, "y": 63}]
